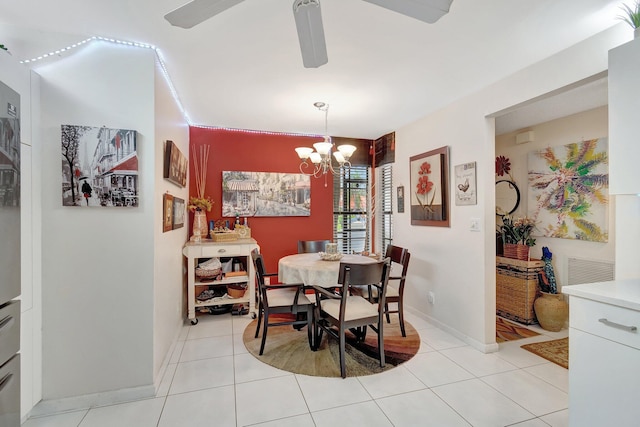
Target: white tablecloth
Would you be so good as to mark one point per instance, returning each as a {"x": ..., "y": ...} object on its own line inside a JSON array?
[{"x": 310, "y": 269}]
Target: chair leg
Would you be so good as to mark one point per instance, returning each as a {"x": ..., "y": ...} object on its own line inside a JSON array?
[
  {"x": 343, "y": 362},
  {"x": 381, "y": 342},
  {"x": 310, "y": 330},
  {"x": 317, "y": 330},
  {"x": 264, "y": 332},
  {"x": 386, "y": 310},
  {"x": 401, "y": 317},
  {"x": 260, "y": 312}
]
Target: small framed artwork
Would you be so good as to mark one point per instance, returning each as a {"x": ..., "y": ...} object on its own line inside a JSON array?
[
  {"x": 429, "y": 188},
  {"x": 167, "y": 212},
  {"x": 178, "y": 213},
  {"x": 175, "y": 164},
  {"x": 401, "y": 199},
  {"x": 465, "y": 184}
]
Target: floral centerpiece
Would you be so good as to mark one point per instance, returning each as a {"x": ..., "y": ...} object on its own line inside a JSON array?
[
  {"x": 516, "y": 235},
  {"x": 200, "y": 204}
]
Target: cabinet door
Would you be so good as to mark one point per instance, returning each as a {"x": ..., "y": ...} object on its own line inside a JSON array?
[
  {"x": 604, "y": 382},
  {"x": 624, "y": 104}
]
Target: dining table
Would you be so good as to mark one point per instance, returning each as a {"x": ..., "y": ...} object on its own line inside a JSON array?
[{"x": 311, "y": 269}]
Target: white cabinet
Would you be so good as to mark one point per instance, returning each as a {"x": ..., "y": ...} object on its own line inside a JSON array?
[
  {"x": 197, "y": 252},
  {"x": 604, "y": 354},
  {"x": 624, "y": 104}
]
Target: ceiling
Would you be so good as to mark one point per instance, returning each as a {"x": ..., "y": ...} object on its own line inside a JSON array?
[{"x": 243, "y": 68}]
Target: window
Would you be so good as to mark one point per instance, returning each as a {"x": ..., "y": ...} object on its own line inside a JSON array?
[
  {"x": 350, "y": 209},
  {"x": 384, "y": 234}
]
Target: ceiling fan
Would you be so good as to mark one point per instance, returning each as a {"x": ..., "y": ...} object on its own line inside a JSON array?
[{"x": 308, "y": 19}]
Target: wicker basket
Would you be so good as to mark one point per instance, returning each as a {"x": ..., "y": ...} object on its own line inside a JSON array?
[
  {"x": 517, "y": 288},
  {"x": 516, "y": 251},
  {"x": 204, "y": 273},
  {"x": 236, "y": 290},
  {"x": 224, "y": 236}
]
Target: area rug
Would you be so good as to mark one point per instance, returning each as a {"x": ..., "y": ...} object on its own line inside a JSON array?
[
  {"x": 509, "y": 331},
  {"x": 556, "y": 351},
  {"x": 288, "y": 349}
]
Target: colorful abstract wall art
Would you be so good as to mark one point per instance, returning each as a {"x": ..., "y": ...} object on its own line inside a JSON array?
[{"x": 568, "y": 193}]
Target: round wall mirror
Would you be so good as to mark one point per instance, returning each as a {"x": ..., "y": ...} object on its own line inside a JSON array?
[{"x": 507, "y": 197}]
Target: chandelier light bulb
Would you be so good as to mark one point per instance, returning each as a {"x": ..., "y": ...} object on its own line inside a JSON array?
[
  {"x": 323, "y": 148},
  {"x": 304, "y": 152},
  {"x": 346, "y": 150},
  {"x": 316, "y": 159}
]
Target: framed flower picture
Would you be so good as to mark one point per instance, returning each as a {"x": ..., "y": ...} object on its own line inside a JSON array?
[{"x": 429, "y": 193}]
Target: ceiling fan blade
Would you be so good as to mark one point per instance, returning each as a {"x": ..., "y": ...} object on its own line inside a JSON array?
[
  {"x": 197, "y": 11},
  {"x": 310, "y": 32},
  {"x": 428, "y": 11}
]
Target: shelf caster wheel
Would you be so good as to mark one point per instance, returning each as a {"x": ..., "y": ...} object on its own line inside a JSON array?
[
  {"x": 194, "y": 322},
  {"x": 253, "y": 315}
]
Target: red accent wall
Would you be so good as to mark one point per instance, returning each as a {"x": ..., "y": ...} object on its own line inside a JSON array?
[{"x": 256, "y": 152}]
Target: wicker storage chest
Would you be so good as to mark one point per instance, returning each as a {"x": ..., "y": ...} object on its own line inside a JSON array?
[{"x": 517, "y": 288}]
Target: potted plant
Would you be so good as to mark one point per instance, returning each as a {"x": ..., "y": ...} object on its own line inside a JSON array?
[
  {"x": 516, "y": 236},
  {"x": 631, "y": 16}
]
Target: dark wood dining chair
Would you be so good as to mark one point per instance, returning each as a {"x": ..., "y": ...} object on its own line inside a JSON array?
[
  {"x": 281, "y": 299},
  {"x": 312, "y": 246},
  {"x": 337, "y": 314},
  {"x": 395, "y": 293}
]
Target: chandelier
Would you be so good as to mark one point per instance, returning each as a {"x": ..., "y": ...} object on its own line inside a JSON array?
[{"x": 318, "y": 163}]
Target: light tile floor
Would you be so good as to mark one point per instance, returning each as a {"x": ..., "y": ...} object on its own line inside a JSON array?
[{"x": 211, "y": 380}]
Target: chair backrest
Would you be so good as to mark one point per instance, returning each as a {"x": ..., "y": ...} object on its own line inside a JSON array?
[
  {"x": 311, "y": 246},
  {"x": 375, "y": 274},
  {"x": 400, "y": 256},
  {"x": 258, "y": 263}
]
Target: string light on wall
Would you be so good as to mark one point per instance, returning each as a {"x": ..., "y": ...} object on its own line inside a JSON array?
[
  {"x": 161, "y": 61},
  {"x": 318, "y": 163}
]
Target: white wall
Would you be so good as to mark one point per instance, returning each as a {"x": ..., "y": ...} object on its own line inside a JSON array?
[
  {"x": 169, "y": 288},
  {"x": 587, "y": 125},
  {"x": 455, "y": 263},
  {"x": 20, "y": 79},
  {"x": 98, "y": 263}
]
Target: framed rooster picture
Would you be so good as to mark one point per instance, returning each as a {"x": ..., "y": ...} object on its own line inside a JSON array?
[{"x": 465, "y": 184}]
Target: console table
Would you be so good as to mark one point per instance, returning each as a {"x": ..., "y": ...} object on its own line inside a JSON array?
[{"x": 198, "y": 252}]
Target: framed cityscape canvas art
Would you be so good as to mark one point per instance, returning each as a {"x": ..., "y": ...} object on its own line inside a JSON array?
[
  {"x": 99, "y": 167},
  {"x": 248, "y": 194}
]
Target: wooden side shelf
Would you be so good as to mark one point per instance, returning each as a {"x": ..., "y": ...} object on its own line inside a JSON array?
[{"x": 194, "y": 252}]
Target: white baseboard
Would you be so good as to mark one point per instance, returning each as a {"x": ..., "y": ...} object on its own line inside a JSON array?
[
  {"x": 485, "y": 348},
  {"x": 76, "y": 403}
]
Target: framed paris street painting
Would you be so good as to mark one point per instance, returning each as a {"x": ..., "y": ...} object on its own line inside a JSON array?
[{"x": 429, "y": 188}]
